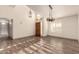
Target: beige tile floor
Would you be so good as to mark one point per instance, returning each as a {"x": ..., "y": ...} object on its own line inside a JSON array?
[{"x": 37, "y": 45}]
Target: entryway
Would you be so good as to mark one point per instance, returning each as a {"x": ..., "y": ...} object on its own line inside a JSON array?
[{"x": 5, "y": 28}]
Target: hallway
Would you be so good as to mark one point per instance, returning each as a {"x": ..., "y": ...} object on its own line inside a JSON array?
[{"x": 36, "y": 45}]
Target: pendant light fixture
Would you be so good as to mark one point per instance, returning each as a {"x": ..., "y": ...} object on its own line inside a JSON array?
[{"x": 50, "y": 18}]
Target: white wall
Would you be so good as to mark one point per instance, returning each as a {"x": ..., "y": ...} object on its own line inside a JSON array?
[
  {"x": 44, "y": 27},
  {"x": 6, "y": 12},
  {"x": 23, "y": 26},
  {"x": 78, "y": 26},
  {"x": 66, "y": 27}
]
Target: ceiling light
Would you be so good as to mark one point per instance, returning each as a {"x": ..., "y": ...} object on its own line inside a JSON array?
[{"x": 50, "y": 18}]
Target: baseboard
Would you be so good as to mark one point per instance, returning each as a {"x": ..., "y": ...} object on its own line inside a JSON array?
[
  {"x": 61, "y": 37},
  {"x": 24, "y": 37}
]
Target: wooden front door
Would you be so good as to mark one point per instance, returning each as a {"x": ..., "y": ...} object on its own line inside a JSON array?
[{"x": 38, "y": 29}]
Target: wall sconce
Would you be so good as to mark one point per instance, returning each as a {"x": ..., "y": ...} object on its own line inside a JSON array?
[{"x": 30, "y": 13}]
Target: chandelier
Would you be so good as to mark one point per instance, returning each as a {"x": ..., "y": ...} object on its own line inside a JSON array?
[{"x": 50, "y": 18}]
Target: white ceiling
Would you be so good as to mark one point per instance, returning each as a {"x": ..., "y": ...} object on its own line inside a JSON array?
[{"x": 58, "y": 10}]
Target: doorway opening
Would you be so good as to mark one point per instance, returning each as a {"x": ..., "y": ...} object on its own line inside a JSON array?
[{"x": 5, "y": 28}]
